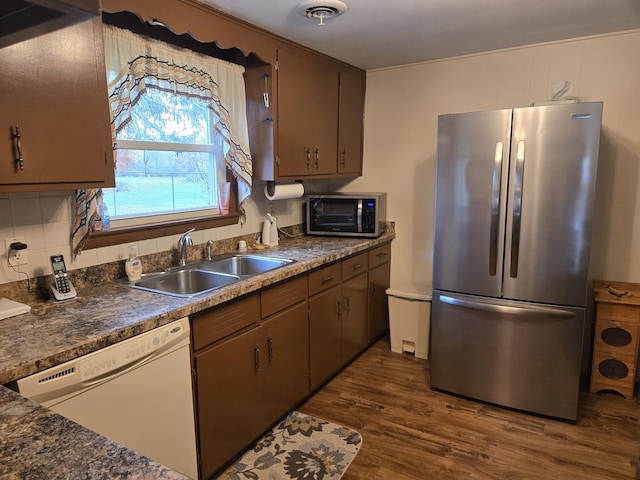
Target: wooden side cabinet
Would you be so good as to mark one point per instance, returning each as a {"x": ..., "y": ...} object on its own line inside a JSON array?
[{"x": 615, "y": 348}]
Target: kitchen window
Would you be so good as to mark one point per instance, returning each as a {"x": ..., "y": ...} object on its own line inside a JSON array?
[
  {"x": 180, "y": 129},
  {"x": 169, "y": 162}
]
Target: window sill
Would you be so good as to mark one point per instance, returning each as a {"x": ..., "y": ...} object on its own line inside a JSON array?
[{"x": 119, "y": 236}]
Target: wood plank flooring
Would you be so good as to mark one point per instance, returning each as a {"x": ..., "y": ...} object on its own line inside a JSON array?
[{"x": 411, "y": 432}]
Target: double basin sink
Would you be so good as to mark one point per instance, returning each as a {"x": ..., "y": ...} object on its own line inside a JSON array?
[{"x": 207, "y": 275}]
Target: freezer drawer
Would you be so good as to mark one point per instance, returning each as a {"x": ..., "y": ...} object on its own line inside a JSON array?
[{"x": 515, "y": 354}]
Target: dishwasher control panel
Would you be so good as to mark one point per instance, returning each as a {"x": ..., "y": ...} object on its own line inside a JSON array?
[{"x": 94, "y": 368}]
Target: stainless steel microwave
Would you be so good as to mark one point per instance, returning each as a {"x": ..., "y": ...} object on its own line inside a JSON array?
[{"x": 346, "y": 214}]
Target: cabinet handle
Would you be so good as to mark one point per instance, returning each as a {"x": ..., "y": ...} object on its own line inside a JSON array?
[
  {"x": 381, "y": 254},
  {"x": 19, "y": 160},
  {"x": 339, "y": 305},
  {"x": 343, "y": 157},
  {"x": 328, "y": 279},
  {"x": 270, "y": 348},
  {"x": 357, "y": 266},
  {"x": 256, "y": 354},
  {"x": 308, "y": 158},
  {"x": 348, "y": 304},
  {"x": 317, "y": 162},
  {"x": 373, "y": 289}
]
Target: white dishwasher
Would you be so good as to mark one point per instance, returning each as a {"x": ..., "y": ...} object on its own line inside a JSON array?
[{"x": 136, "y": 392}]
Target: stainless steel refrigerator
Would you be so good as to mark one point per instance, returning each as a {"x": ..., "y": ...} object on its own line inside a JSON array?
[{"x": 513, "y": 218}]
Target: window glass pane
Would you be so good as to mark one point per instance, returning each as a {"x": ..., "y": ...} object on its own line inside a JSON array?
[
  {"x": 161, "y": 116},
  {"x": 152, "y": 182}
]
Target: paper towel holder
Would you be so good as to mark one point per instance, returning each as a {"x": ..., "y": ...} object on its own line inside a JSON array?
[
  {"x": 271, "y": 186},
  {"x": 285, "y": 191}
]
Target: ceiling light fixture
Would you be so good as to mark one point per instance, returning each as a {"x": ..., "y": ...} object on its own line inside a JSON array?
[{"x": 322, "y": 9}]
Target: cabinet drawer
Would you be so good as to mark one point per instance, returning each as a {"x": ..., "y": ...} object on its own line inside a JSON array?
[
  {"x": 324, "y": 278},
  {"x": 216, "y": 323},
  {"x": 352, "y": 266},
  {"x": 379, "y": 255},
  {"x": 616, "y": 337},
  {"x": 283, "y": 295},
  {"x": 610, "y": 311}
]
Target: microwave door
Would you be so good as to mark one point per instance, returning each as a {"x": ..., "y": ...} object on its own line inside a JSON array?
[{"x": 335, "y": 215}]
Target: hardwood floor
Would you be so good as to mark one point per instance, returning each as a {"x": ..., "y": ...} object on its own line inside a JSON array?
[{"x": 411, "y": 432}]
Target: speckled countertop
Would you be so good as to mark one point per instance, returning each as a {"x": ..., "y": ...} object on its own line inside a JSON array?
[{"x": 32, "y": 438}]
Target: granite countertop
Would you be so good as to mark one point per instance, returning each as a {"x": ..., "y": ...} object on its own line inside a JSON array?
[{"x": 35, "y": 439}]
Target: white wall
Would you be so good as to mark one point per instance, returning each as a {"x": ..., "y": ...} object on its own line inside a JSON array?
[
  {"x": 44, "y": 221},
  {"x": 403, "y": 103}
]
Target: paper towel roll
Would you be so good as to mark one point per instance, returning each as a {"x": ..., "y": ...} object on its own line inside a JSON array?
[{"x": 284, "y": 192}]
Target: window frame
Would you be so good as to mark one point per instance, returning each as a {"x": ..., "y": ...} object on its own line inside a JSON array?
[
  {"x": 116, "y": 236},
  {"x": 130, "y": 234}
]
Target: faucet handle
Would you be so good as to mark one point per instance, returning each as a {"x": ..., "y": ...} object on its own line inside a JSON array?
[
  {"x": 209, "y": 249},
  {"x": 185, "y": 239}
]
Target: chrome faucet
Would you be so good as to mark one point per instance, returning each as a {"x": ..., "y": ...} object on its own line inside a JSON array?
[
  {"x": 209, "y": 249},
  {"x": 184, "y": 242}
]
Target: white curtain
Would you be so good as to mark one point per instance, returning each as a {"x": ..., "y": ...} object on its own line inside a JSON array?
[{"x": 135, "y": 63}]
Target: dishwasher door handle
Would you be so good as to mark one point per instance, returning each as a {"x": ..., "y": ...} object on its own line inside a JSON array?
[{"x": 508, "y": 309}]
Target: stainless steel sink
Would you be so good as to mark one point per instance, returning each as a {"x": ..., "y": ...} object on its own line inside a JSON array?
[
  {"x": 207, "y": 275},
  {"x": 243, "y": 265},
  {"x": 184, "y": 283}
]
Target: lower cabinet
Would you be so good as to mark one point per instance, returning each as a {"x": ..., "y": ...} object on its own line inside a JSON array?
[
  {"x": 257, "y": 357},
  {"x": 379, "y": 276},
  {"x": 355, "y": 328},
  {"x": 248, "y": 380},
  {"x": 325, "y": 334},
  {"x": 338, "y": 322}
]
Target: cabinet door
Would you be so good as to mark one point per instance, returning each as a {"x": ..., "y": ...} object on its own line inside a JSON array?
[
  {"x": 286, "y": 337},
  {"x": 355, "y": 325},
  {"x": 228, "y": 384},
  {"x": 307, "y": 114},
  {"x": 350, "y": 120},
  {"x": 378, "y": 304},
  {"x": 324, "y": 335},
  {"x": 54, "y": 89}
]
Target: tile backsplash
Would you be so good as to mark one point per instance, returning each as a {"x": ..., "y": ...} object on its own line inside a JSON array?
[{"x": 43, "y": 221}]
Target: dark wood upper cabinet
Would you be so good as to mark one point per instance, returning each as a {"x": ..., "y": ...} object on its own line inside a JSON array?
[
  {"x": 54, "y": 127},
  {"x": 350, "y": 120},
  {"x": 307, "y": 114}
]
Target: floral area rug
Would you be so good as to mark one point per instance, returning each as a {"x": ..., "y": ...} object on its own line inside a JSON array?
[{"x": 300, "y": 447}]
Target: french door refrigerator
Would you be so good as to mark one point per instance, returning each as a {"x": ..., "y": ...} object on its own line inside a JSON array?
[{"x": 514, "y": 199}]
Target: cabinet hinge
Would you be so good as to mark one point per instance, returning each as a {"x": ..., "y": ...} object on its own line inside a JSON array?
[
  {"x": 278, "y": 160},
  {"x": 194, "y": 372}
]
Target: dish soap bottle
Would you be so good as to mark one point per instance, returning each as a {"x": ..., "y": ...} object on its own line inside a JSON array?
[{"x": 133, "y": 265}]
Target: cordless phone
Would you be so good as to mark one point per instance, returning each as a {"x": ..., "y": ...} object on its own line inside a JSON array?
[{"x": 62, "y": 288}]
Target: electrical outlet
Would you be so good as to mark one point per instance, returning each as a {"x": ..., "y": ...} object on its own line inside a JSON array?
[{"x": 16, "y": 257}]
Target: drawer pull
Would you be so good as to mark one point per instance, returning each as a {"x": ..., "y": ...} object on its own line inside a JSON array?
[
  {"x": 328, "y": 279},
  {"x": 357, "y": 266},
  {"x": 381, "y": 254}
]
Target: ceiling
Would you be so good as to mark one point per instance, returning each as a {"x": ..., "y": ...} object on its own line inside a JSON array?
[{"x": 382, "y": 33}]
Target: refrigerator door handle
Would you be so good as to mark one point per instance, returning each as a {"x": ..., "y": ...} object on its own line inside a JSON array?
[
  {"x": 508, "y": 309},
  {"x": 495, "y": 208},
  {"x": 517, "y": 209}
]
